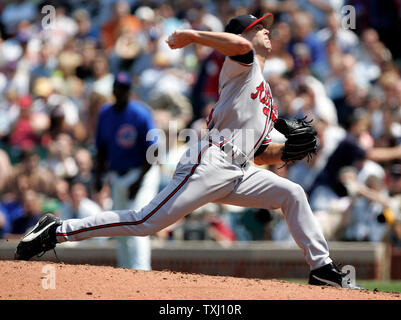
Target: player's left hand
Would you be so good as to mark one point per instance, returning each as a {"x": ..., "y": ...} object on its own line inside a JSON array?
[{"x": 301, "y": 139}]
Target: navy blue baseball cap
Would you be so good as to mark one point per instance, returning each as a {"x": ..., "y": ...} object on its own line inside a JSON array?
[
  {"x": 244, "y": 22},
  {"x": 122, "y": 79}
]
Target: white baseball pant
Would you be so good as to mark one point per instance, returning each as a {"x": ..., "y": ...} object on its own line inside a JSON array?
[{"x": 212, "y": 177}]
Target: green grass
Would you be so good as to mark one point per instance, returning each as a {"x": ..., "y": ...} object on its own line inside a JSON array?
[{"x": 388, "y": 286}]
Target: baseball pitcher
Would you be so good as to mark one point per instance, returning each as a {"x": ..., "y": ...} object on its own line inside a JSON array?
[{"x": 217, "y": 168}]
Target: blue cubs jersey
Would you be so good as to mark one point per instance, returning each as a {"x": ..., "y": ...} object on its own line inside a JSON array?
[{"x": 123, "y": 135}]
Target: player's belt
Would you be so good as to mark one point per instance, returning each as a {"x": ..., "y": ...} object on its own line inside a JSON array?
[{"x": 231, "y": 150}]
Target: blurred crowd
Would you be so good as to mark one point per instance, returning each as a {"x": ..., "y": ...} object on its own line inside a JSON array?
[{"x": 56, "y": 74}]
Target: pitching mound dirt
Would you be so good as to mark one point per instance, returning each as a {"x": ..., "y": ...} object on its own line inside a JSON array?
[{"x": 42, "y": 280}]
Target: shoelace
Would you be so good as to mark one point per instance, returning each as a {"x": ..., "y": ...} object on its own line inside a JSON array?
[
  {"x": 339, "y": 267},
  {"x": 55, "y": 253}
]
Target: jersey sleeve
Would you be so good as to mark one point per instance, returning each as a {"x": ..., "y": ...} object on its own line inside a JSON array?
[
  {"x": 246, "y": 58},
  {"x": 235, "y": 66},
  {"x": 265, "y": 143}
]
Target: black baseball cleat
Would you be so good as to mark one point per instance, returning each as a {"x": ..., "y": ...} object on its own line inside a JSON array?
[
  {"x": 330, "y": 275},
  {"x": 41, "y": 238}
]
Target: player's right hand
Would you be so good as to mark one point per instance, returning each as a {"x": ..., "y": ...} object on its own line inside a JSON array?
[{"x": 179, "y": 39}]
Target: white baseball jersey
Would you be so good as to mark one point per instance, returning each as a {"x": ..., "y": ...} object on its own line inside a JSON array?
[
  {"x": 245, "y": 104},
  {"x": 245, "y": 112}
]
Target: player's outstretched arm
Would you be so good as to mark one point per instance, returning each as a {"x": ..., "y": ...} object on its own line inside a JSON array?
[
  {"x": 271, "y": 155},
  {"x": 228, "y": 44}
]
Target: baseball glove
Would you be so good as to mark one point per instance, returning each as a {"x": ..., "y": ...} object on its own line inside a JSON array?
[{"x": 301, "y": 139}]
